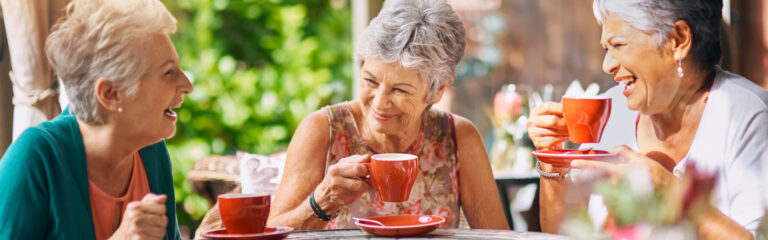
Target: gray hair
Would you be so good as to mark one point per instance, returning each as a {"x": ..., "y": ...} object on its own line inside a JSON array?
[
  {"x": 425, "y": 35},
  {"x": 658, "y": 16},
  {"x": 103, "y": 38}
]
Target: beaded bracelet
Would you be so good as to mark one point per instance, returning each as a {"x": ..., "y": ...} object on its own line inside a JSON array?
[{"x": 545, "y": 174}]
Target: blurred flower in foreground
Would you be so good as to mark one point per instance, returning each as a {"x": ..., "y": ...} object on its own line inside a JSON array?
[{"x": 637, "y": 210}]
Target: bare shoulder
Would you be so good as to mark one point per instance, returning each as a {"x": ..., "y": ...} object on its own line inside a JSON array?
[
  {"x": 464, "y": 128},
  {"x": 317, "y": 119},
  {"x": 468, "y": 140},
  {"x": 312, "y": 133}
]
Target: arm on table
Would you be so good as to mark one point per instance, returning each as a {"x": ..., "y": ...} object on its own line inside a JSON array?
[
  {"x": 304, "y": 169},
  {"x": 547, "y": 129},
  {"x": 478, "y": 192},
  {"x": 552, "y": 195}
]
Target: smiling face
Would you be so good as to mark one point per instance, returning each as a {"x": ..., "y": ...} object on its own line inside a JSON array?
[
  {"x": 647, "y": 72},
  {"x": 392, "y": 98},
  {"x": 161, "y": 88}
]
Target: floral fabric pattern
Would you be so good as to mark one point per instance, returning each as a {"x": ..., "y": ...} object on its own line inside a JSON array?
[{"x": 436, "y": 190}]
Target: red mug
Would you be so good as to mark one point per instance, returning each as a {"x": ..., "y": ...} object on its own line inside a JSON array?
[
  {"x": 244, "y": 213},
  {"x": 393, "y": 175},
  {"x": 586, "y": 117}
]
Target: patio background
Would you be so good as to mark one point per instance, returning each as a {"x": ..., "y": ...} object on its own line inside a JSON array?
[{"x": 260, "y": 66}]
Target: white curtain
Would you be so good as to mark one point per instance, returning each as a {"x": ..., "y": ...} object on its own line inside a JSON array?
[{"x": 35, "y": 89}]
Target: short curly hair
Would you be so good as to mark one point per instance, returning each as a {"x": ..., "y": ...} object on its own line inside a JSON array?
[
  {"x": 426, "y": 35},
  {"x": 103, "y": 38}
]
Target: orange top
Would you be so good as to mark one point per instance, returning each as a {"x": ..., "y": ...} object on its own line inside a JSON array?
[{"x": 108, "y": 210}]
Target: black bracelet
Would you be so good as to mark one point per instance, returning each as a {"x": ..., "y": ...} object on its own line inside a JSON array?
[{"x": 316, "y": 208}]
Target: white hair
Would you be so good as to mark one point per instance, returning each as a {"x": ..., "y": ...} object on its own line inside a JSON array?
[
  {"x": 657, "y": 17},
  {"x": 103, "y": 38},
  {"x": 641, "y": 14},
  {"x": 425, "y": 35}
]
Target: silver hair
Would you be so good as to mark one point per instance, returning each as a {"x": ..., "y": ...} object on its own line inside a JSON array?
[
  {"x": 659, "y": 16},
  {"x": 426, "y": 35},
  {"x": 103, "y": 38}
]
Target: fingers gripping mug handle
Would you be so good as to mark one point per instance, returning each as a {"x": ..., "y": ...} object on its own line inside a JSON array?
[{"x": 368, "y": 178}]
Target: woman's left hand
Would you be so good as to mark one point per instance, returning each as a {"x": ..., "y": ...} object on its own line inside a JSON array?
[{"x": 659, "y": 174}]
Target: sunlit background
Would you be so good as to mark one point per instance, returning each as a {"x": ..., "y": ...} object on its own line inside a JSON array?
[{"x": 260, "y": 66}]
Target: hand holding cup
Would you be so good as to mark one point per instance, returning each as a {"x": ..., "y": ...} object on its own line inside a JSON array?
[
  {"x": 546, "y": 126},
  {"x": 343, "y": 183}
]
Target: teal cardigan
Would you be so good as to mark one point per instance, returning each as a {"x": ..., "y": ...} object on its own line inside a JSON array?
[{"x": 44, "y": 183}]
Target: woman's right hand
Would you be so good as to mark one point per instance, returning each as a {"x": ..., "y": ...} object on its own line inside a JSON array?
[
  {"x": 343, "y": 183},
  {"x": 143, "y": 219},
  {"x": 546, "y": 126}
]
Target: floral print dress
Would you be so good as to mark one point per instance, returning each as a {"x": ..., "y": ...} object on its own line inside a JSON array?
[{"x": 436, "y": 190}]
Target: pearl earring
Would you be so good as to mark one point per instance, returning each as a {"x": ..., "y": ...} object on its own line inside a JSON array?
[
  {"x": 119, "y": 109},
  {"x": 680, "y": 69}
]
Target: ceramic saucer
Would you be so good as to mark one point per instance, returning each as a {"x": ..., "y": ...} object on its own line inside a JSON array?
[
  {"x": 270, "y": 233},
  {"x": 563, "y": 158},
  {"x": 401, "y": 225}
]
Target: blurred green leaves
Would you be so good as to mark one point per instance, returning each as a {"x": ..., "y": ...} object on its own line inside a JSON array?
[{"x": 258, "y": 68}]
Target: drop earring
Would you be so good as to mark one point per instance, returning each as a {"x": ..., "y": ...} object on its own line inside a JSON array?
[{"x": 680, "y": 69}]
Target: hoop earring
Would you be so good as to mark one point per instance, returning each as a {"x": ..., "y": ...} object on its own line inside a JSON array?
[{"x": 680, "y": 69}]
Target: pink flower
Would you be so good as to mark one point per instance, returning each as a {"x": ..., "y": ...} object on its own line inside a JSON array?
[
  {"x": 507, "y": 104},
  {"x": 434, "y": 156},
  {"x": 341, "y": 145},
  {"x": 381, "y": 206},
  {"x": 698, "y": 187},
  {"x": 444, "y": 212},
  {"x": 413, "y": 208},
  {"x": 455, "y": 181}
]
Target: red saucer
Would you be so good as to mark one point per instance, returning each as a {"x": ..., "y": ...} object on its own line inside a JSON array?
[
  {"x": 563, "y": 158},
  {"x": 402, "y": 225},
  {"x": 270, "y": 233}
]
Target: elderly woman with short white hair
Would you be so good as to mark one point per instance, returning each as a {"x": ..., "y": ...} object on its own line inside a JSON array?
[
  {"x": 664, "y": 55},
  {"x": 407, "y": 58},
  {"x": 101, "y": 169}
]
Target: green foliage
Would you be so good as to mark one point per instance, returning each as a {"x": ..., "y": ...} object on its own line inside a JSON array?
[{"x": 258, "y": 68}]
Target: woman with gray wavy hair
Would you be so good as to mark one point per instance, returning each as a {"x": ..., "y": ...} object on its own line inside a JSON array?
[
  {"x": 407, "y": 56},
  {"x": 101, "y": 169},
  {"x": 664, "y": 55}
]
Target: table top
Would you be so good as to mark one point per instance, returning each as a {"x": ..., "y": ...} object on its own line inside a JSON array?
[{"x": 443, "y": 233}]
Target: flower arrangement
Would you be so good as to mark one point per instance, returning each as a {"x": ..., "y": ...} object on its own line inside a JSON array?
[
  {"x": 508, "y": 153},
  {"x": 638, "y": 210}
]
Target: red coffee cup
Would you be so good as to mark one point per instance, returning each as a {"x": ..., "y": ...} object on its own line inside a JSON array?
[
  {"x": 586, "y": 117},
  {"x": 393, "y": 175},
  {"x": 244, "y": 213}
]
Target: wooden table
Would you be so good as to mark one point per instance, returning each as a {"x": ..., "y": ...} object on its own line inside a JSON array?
[{"x": 446, "y": 233}]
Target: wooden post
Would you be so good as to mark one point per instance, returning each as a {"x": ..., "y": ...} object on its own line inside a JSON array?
[
  {"x": 752, "y": 52},
  {"x": 6, "y": 93}
]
